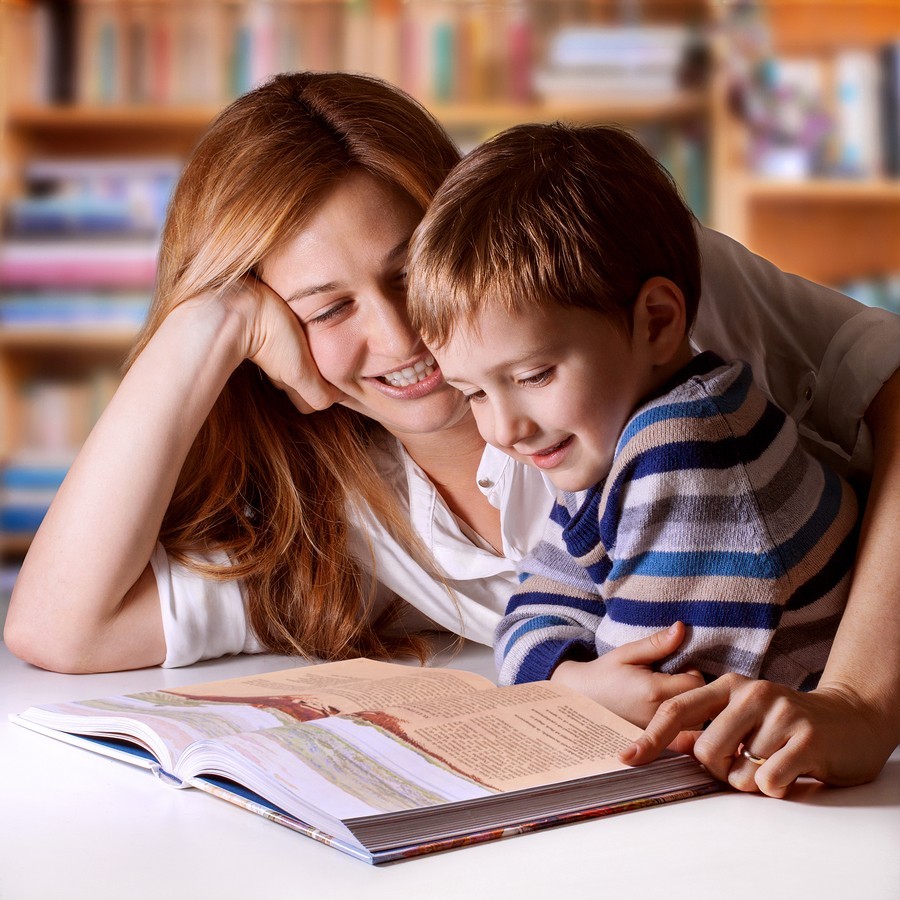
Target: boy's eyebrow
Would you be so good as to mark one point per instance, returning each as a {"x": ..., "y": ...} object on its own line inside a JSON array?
[
  {"x": 506, "y": 363},
  {"x": 391, "y": 256}
]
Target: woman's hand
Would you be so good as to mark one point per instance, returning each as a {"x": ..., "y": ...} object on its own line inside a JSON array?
[
  {"x": 828, "y": 734},
  {"x": 273, "y": 338},
  {"x": 624, "y": 681}
]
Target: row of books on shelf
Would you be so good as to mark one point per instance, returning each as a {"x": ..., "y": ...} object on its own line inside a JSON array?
[
  {"x": 57, "y": 414},
  {"x": 26, "y": 491},
  {"x": 84, "y": 223},
  {"x": 838, "y": 118},
  {"x": 93, "y": 196},
  {"x": 70, "y": 310},
  {"x": 207, "y": 51}
]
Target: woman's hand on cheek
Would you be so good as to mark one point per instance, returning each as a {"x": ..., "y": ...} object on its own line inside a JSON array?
[
  {"x": 273, "y": 338},
  {"x": 827, "y": 734}
]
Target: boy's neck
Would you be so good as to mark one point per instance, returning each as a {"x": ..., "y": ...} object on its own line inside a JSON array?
[{"x": 663, "y": 374}]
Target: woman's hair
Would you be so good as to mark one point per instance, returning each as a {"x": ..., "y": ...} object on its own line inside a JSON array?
[
  {"x": 268, "y": 485},
  {"x": 579, "y": 216}
]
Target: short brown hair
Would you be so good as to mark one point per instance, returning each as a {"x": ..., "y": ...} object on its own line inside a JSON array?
[{"x": 580, "y": 216}]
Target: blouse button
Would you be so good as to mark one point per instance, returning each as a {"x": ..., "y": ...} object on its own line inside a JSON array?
[{"x": 485, "y": 483}]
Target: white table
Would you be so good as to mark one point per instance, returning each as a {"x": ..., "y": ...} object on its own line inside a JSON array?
[{"x": 77, "y": 825}]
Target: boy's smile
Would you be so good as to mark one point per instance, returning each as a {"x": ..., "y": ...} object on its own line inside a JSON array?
[{"x": 553, "y": 386}]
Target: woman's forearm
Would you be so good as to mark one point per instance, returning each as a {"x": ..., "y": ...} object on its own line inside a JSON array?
[
  {"x": 85, "y": 585},
  {"x": 865, "y": 658}
]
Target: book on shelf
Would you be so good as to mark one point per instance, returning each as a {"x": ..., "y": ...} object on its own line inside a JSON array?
[
  {"x": 380, "y": 760},
  {"x": 637, "y": 62},
  {"x": 889, "y": 106},
  {"x": 858, "y": 119},
  {"x": 27, "y": 487},
  {"x": 78, "y": 261},
  {"x": 72, "y": 310}
]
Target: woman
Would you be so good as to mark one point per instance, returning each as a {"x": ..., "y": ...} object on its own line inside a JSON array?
[{"x": 205, "y": 516}]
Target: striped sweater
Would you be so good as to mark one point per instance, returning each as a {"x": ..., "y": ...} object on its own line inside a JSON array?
[{"x": 712, "y": 514}]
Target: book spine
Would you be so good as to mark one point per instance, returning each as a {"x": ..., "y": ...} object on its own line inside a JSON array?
[
  {"x": 889, "y": 60},
  {"x": 857, "y": 126}
]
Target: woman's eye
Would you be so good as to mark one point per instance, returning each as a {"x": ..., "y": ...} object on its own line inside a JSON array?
[
  {"x": 475, "y": 397},
  {"x": 330, "y": 313},
  {"x": 539, "y": 379}
]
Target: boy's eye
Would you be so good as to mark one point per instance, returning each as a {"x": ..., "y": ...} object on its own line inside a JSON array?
[
  {"x": 539, "y": 379},
  {"x": 474, "y": 397}
]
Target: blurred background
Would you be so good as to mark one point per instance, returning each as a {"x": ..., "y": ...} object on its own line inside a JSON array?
[{"x": 780, "y": 120}]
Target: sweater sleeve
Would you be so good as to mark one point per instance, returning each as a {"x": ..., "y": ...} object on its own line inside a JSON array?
[{"x": 553, "y": 614}]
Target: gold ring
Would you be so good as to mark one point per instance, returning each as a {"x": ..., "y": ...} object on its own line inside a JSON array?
[{"x": 756, "y": 760}]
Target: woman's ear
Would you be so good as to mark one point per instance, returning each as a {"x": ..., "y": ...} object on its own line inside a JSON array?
[{"x": 659, "y": 320}]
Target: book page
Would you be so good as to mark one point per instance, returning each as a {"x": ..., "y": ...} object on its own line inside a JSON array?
[
  {"x": 513, "y": 737},
  {"x": 167, "y": 722},
  {"x": 329, "y": 689}
]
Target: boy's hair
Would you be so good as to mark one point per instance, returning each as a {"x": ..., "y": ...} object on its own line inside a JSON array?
[{"x": 580, "y": 216}]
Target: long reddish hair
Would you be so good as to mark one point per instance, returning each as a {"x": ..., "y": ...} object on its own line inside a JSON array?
[{"x": 266, "y": 484}]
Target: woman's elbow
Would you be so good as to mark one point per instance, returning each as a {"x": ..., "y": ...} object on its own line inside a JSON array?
[{"x": 38, "y": 646}]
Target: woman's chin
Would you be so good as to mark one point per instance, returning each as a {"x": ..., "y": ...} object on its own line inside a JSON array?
[{"x": 440, "y": 409}]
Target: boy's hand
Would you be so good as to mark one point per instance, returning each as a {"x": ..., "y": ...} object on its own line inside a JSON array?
[{"x": 624, "y": 681}]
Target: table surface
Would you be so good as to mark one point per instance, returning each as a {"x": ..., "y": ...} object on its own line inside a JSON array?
[{"x": 77, "y": 825}]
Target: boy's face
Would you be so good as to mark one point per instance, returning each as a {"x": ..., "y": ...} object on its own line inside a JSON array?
[{"x": 552, "y": 387}]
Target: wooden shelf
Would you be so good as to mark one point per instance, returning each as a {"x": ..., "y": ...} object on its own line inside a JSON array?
[
  {"x": 68, "y": 119},
  {"x": 680, "y": 104},
  {"x": 73, "y": 118},
  {"x": 824, "y": 190},
  {"x": 67, "y": 338}
]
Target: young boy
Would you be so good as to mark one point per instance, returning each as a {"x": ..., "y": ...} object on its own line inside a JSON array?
[{"x": 556, "y": 277}]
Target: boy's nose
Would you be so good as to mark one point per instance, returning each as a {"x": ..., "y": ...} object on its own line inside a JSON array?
[{"x": 512, "y": 426}]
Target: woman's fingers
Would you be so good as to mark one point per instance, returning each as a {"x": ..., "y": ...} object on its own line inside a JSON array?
[
  {"x": 275, "y": 341},
  {"x": 674, "y": 716},
  {"x": 668, "y": 686},
  {"x": 764, "y": 736}
]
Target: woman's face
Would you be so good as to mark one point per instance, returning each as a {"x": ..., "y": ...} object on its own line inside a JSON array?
[{"x": 344, "y": 277}]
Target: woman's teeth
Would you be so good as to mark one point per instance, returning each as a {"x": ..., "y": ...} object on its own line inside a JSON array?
[{"x": 411, "y": 374}]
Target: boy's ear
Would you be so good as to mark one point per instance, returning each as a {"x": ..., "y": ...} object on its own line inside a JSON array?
[{"x": 660, "y": 320}]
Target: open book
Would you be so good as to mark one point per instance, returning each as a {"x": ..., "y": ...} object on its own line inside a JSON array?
[{"x": 381, "y": 760}]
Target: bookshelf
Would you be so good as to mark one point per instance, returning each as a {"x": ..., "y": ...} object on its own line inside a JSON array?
[{"x": 825, "y": 223}]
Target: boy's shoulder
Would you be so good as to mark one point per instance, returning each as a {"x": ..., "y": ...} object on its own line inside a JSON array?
[{"x": 694, "y": 399}]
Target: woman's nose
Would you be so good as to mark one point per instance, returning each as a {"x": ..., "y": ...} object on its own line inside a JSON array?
[{"x": 389, "y": 331}]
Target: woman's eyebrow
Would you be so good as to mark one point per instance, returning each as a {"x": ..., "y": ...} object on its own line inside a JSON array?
[
  {"x": 394, "y": 253},
  {"x": 300, "y": 293}
]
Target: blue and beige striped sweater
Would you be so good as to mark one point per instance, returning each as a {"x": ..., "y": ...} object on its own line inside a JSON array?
[{"x": 712, "y": 514}]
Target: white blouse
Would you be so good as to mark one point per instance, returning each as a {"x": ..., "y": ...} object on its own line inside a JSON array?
[{"x": 820, "y": 356}]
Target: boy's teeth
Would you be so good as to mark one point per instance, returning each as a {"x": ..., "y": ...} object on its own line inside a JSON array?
[{"x": 410, "y": 374}]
